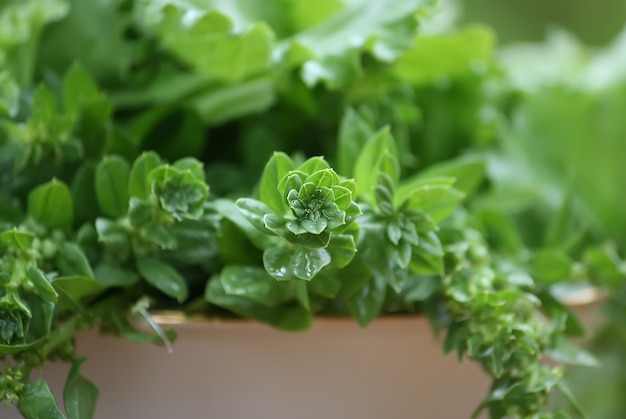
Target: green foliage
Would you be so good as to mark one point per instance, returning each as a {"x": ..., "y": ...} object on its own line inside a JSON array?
[{"x": 289, "y": 160}]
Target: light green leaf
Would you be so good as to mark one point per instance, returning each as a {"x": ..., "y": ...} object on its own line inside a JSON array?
[
  {"x": 365, "y": 173},
  {"x": 208, "y": 41},
  {"x": 468, "y": 173},
  {"x": 354, "y": 133},
  {"x": 9, "y": 94},
  {"x": 163, "y": 277},
  {"x": 51, "y": 204},
  {"x": 37, "y": 402},
  {"x": 16, "y": 239},
  {"x": 276, "y": 168},
  {"x": 446, "y": 55},
  {"x": 382, "y": 27},
  {"x": 567, "y": 353},
  {"x": 112, "y": 176},
  {"x": 80, "y": 394}
]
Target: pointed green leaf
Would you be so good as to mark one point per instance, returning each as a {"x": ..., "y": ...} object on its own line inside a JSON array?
[
  {"x": 71, "y": 261},
  {"x": 365, "y": 173},
  {"x": 112, "y": 176},
  {"x": 51, "y": 204},
  {"x": 73, "y": 289},
  {"x": 138, "y": 184},
  {"x": 354, "y": 132},
  {"x": 80, "y": 394},
  {"x": 163, "y": 277},
  {"x": 275, "y": 170},
  {"x": 42, "y": 284}
]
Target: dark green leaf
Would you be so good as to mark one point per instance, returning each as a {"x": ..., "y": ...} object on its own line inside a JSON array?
[
  {"x": 37, "y": 402},
  {"x": 290, "y": 317},
  {"x": 80, "y": 394},
  {"x": 71, "y": 261},
  {"x": 111, "y": 185},
  {"x": 42, "y": 285},
  {"x": 109, "y": 275},
  {"x": 51, "y": 205},
  {"x": 163, "y": 277},
  {"x": 73, "y": 289},
  {"x": 550, "y": 266},
  {"x": 367, "y": 302}
]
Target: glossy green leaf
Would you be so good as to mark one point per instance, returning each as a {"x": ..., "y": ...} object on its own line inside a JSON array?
[
  {"x": 71, "y": 261},
  {"x": 367, "y": 302},
  {"x": 37, "y": 402},
  {"x": 163, "y": 277},
  {"x": 138, "y": 184},
  {"x": 251, "y": 282},
  {"x": 73, "y": 289},
  {"x": 235, "y": 214},
  {"x": 51, "y": 204},
  {"x": 290, "y": 317},
  {"x": 285, "y": 263},
  {"x": 276, "y": 168},
  {"x": 255, "y": 212},
  {"x": 342, "y": 248},
  {"x": 79, "y": 394},
  {"x": 112, "y": 176}
]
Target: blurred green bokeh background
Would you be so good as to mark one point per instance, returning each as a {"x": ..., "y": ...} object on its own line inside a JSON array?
[{"x": 594, "y": 22}]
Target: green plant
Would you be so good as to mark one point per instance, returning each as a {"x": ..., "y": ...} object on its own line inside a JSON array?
[{"x": 177, "y": 165}]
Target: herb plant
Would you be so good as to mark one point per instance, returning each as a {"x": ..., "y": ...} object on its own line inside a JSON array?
[{"x": 277, "y": 163}]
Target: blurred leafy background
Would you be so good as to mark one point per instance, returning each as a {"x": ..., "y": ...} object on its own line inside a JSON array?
[{"x": 587, "y": 146}]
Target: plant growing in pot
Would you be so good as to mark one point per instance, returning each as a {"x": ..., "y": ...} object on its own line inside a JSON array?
[{"x": 177, "y": 165}]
